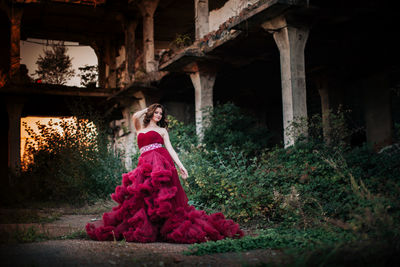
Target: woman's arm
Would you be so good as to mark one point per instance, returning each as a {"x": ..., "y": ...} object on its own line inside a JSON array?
[
  {"x": 136, "y": 119},
  {"x": 173, "y": 154}
]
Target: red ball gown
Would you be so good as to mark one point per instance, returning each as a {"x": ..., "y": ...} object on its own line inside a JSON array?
[{"x": 152, "y": 205}]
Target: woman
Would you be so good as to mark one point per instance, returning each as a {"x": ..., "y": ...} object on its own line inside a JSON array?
[{"x": 152, "y": 204}]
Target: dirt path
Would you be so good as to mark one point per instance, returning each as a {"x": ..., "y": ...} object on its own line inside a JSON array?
[
  {"x": 80, "y": 251},
  {"x": 92, "y": 253}
]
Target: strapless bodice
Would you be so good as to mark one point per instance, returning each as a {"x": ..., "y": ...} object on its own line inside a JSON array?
[{"x": 150, "y": 137}]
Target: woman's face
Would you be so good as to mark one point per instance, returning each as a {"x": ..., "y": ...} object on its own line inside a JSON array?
[{"x": 157, "y": 115}]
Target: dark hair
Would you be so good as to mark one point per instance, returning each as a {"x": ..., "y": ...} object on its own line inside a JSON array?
[{"x": 149, "y": 115}]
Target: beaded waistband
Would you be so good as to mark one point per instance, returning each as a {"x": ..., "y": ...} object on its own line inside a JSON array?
[{"x": 150, "y": 147}]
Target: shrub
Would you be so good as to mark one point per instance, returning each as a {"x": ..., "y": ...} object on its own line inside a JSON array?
[
  {"x": 229, "y": 126},
  {"x": 218, "y": 184},
  {"x": 182, "y": 137},
  {"x": 324, "y": 200},
  {"x": 73, "y": 165},
  {"x": 307, "y": 185}
]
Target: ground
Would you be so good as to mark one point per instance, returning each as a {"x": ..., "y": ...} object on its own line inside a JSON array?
[{"x": 55, "y": 236}]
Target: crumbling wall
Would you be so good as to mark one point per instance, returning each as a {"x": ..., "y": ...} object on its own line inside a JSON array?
[
  {"x": 230, "y": 9},
  {"x": 120, "y": 67}
]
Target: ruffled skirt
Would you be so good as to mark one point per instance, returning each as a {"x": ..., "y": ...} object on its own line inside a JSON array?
[{"x": 152, "y": 206}]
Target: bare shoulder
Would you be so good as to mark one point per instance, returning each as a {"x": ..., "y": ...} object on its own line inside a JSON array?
[{"x": 163, "y": 132}]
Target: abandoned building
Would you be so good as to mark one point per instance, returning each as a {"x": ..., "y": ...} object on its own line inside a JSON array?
[{"x": 278, "y": 59}]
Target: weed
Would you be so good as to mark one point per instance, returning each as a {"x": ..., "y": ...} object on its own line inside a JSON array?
[
  {"x": 27, "y": 235},
  {"x": 80, "y": 234}
]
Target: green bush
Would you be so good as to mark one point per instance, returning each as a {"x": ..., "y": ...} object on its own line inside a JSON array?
[
  {"x": 72, "y": 165},
  {"x": 229, "y": 126},
  {"x": 321, "y": 199},
  {"x": 217, "y": 184},
  {"x": 303, "y": 185},
  {"x": 182, "y": 136},
  {"x": 310, "y": 184}
]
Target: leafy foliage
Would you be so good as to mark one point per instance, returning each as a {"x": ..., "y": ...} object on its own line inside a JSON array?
[
  {"x": 180, "y": 41},
  {"x": 182, "y": 136},
  {"x": 55, "y": 67},
  {"x": 89, "y": 75},
  {"x": 229, "y": 126},
  {"x": 312, "y": 185},
  {"x": 275, "y": 238},
  {"x": 305, "y": 185},
  {"x": 312, "y": 247},
  {"x": 71, "y": 162}
]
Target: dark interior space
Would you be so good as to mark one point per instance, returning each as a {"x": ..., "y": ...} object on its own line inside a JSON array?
[{"x": 4, "y": 44}]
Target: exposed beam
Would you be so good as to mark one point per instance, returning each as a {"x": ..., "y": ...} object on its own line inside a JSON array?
[{"x": 51, "y": 89}]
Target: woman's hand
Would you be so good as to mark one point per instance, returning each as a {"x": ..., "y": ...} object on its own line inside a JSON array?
[
  {"x": 140, "y": 113},
  {"x": 137, "y": 119},
  {"x": 184, "y": 173}
]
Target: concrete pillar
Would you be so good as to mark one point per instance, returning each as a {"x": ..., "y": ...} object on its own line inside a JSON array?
[
  {"x": 99, "y": 48},
  {"x": 203, "y": 79},
  {"x": 130, "y": 137},
  {"x": 15, "y": 15},
  {"x": 141, "y": 101},
  {"x": 291, "y": 41},
  {"x": 111, "y": 65},
  {"x": 201, "y": 16},
  {"x": 147, "y": 9},
  {"x": 325, "y": 109},
  {"x": 129, "y": 28},
  {"x": 377, "y": 111},
  {"x": 331, "y": 97},
  {"x": 102, "y": 71},
  {"x": 14, "y": 110},
  {"x": 124, "y": 138}
]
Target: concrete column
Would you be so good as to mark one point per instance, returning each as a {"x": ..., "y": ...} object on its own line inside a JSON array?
[
  {"x": 377, "y": 111},
  {"x": 291, "y": 41},
  {"x": 102, "y": 70},
  {"x": 129, "y": 28},
  {"x": 147, "y": 9},
  {"x": 98, "y": 48},
  {"x": 141, "y": 101},
  {"x": 331, "y": 97},
  {"x": 203, "y": 79},
  {"x": 325, "y": 109},
  {"x": 124, "y": 130},
  {"x": 111, "y": 65},
  {"x": 15, "y": 15},
  {"x": 14, "y": 109},
  {"x": 201, "y": 16},
  {"x": 130, "y": 137}
]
